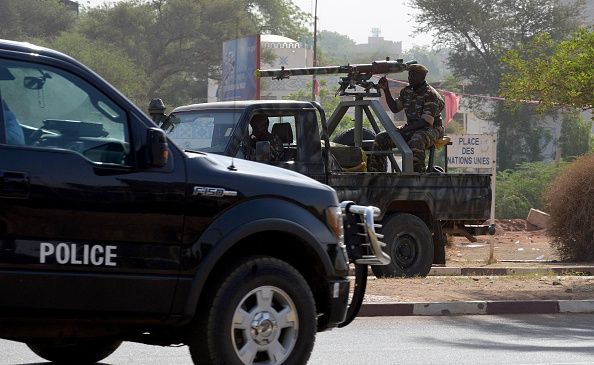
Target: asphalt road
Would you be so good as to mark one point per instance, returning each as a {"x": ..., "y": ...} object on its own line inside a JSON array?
[{"x": 513, "y": 339}]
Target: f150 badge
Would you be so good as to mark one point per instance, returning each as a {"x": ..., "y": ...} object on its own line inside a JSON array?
[
  {"x": 77, "y": 254},
  {"x": 215, "y": 192}
]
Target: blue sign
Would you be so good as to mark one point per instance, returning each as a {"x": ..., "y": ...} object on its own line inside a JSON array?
[{"x": 241, "y": 58}]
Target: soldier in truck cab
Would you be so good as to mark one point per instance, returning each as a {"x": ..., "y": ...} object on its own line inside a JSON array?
[
  {"x": 422, "y": 105},
  {"x": 259, "y": 124}
]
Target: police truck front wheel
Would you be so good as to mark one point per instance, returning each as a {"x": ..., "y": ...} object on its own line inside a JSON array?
[
  {"x": 263, "y": 313},
  {"x": 409, "y": 244},
  {"x": 75, "y": 352}
]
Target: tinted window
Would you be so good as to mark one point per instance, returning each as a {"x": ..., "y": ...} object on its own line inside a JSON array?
[{"x": 55, "y": 109}]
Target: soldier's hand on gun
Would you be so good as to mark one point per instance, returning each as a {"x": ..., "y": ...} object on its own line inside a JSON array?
[{"x": 383, "y": 83}]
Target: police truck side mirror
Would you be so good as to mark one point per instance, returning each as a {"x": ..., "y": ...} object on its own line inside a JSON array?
[{"x": 157, "y": 148}]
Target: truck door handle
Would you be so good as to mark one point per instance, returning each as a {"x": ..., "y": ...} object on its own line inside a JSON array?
[{"x": 14, "y": 184}]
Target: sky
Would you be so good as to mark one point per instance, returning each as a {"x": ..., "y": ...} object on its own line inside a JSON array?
[{"x": 355, "y": 18}]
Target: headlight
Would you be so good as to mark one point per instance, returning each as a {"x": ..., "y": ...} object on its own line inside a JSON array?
[{"x": 334, "y": 221}]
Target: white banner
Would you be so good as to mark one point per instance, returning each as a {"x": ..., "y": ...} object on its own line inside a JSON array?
[{"x": 472, "y": 150}]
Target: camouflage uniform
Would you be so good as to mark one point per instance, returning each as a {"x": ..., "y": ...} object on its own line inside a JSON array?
[
  {"x": 276, "y": 146},
  {"x": 425, "y": 100}
]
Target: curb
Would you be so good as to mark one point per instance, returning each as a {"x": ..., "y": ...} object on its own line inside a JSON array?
[
  {"x": 494, "y": 271},
  {"x": 476, "y": 308}
]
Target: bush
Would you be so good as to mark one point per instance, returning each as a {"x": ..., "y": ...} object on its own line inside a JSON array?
[
  {"x": 523, "y": 188},
  {"x": 570, "y": 201}
]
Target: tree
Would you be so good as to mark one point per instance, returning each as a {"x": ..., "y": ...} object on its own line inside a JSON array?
[
  {"x": 338, "y": 48},
  {"x": 433, "y": 59},
  {"x": 329, "y": 102},
  {"x": 280, "y": 17},
  {"x": 178, "y": 43},
  {"x": 554, "y": 73},
  {"x": 576, "y": 136},
  {"x": 23, "y": 20},
  {"x": 520, "y": 137},
  {"x": 479, "y": 33},
  {"x": 108, "y": 61}
]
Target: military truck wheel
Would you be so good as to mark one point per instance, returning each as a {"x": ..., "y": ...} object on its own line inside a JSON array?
[
  {"x": 348, "y": 137},
  {"x": 76, "y": 352},
  {"x": 263, "y": 313},
  {"x": 409, "y": 243}
]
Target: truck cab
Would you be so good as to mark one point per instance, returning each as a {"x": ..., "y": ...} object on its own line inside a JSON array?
[{"x": 223, "y": 128}]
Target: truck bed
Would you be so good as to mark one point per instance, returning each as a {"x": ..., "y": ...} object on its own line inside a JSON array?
[{"x": 464, "y": 197}]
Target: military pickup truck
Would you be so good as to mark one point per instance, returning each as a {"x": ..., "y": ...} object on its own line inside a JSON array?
[
  {"x": 417, "y": 208},
  {"x": 110, "y": 233}
]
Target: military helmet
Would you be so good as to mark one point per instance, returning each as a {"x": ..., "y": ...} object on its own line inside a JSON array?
[{"x": 418, "y": 68}]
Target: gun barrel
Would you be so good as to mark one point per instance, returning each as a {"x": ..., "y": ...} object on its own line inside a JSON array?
[
  {"x": 283, "y": 73},
  {"x": 376, "y": 67}
]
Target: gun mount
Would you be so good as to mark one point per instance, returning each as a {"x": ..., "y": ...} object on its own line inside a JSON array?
[{"x": 357, "y": 75}]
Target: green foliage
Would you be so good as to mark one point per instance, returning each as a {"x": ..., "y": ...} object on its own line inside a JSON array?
[
  {"x": 280, "y": 17},
  {"x": 164, "y": 38},
  {"x": 328, "y": 100},
  {"x": 479, "y": 32},
  {"x": 177, "y": 44},
  {"x": 338, "y": 48},
  {"x": 23, "y": 20},
  {"x": 523, "y": 188},
  {"x": 520, "y": 136},
  {"x": 156, "y": 48},
  {"x": 576, "y": 138},
  {"x": 454, "y": 127},
  {"x": 554, "y": 73},
  {"x": 451, "y": 83},
  {"x": 434, "y": 60},
  {"x": 108, "y": 61},
  {"x": 570, "y": 202}
]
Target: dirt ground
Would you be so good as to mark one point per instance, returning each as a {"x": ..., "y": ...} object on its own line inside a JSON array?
[
  {"x": 514, "y": 245},
  {"x": 515, "y": 241}
]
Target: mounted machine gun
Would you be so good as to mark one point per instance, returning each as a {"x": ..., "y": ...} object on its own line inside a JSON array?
[{"x": 357, "y": 75}]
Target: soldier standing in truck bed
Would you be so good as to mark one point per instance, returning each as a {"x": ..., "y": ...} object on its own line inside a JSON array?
[{"x": 422, "y": 105}]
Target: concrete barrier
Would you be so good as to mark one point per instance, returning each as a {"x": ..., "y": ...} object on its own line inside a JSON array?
[{"x": 538, "y": 218}]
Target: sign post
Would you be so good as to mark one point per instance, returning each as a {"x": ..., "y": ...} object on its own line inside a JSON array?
[{"x": 476, "y": 151}]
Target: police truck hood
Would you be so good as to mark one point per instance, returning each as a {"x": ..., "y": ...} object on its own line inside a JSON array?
[{"x": 251, "y": 179}]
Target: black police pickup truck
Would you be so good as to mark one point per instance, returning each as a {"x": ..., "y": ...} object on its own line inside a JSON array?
[{"x": 108, "y": 233}]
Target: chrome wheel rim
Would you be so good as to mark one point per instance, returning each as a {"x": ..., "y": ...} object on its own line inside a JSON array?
[{"x": 265, "y": 326}]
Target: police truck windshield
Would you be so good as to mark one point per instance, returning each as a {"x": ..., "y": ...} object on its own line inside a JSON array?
[{"x": 203, "y": 131}]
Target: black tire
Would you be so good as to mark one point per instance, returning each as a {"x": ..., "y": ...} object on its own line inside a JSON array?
[
  {"x": 348, "y": 137},
  {"x": 409, "y": 244},
  {"x": 75, "y": 352},
  {"x": 259, "y": 335}
]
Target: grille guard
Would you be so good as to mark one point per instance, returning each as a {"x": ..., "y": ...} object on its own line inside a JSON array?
[{"x": 361, "y": 239}]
